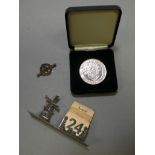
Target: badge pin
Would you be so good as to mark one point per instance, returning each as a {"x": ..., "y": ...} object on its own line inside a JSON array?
[{"x": 46, "y": 69}]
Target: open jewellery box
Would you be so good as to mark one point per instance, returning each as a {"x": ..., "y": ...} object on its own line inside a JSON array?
[{"x": 91, "y": 32}]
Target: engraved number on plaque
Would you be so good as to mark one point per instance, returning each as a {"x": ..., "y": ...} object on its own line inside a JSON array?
[
  {"x": 78, "y": 128},
  {"x": 72, "y": 124},
  {"x": 77, "y": 120},
  {"x": 75, "y": 126}
]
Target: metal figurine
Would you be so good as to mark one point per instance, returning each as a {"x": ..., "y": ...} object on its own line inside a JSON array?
[
  {"x": 46, "y": 114},
  {"x": 46, "y": 69},
  {"x": 49, "y": 108}
]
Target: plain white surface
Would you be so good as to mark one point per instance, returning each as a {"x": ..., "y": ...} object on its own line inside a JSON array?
[{"x": 43, "y": 39}]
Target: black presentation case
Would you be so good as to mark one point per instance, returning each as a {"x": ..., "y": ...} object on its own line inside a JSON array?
[{"x": 91, "y": 32}]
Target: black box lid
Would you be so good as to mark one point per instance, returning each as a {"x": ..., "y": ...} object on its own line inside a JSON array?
[{"x": 92, "y": 27}]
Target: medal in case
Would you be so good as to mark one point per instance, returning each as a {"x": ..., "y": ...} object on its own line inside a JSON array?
[
  {"x": 91, "y": 31},
  {"x": 92, "y": 71}
]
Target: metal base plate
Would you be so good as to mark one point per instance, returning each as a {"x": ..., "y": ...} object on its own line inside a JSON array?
[{"x": 55, "y": 128}]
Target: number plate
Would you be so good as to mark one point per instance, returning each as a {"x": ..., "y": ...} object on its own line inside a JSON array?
[{"x": 77, "y": 121}]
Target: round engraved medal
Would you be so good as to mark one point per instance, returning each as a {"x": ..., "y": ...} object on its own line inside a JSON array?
[{"x": 92, "y": 71}]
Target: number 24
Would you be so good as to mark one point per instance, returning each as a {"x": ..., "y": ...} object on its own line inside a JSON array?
[{"x": 77, "y": 127}]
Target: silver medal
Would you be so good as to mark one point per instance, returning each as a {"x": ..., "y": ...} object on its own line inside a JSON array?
[{"x": 92, "y": 71}]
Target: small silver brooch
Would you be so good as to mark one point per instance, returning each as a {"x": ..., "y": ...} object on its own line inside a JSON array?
[{"x": 46, "y": 69}]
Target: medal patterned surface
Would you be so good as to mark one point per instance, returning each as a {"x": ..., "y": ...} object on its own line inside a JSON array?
[{"x": 92, "y": 71}]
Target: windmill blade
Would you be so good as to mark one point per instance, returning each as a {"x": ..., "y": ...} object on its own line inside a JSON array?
[
  {"x": 48, "y": 100},
  {"x": 56, "y": 107},
  {"x": 56, "y": 99}
]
